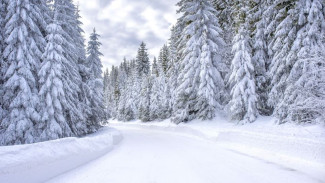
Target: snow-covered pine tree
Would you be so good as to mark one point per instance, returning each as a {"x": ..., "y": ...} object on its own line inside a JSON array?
[
  {"x": 130, "y": 107},
  {"x": 200, "y": 78},
  {"x": 165, "y": 69},
  {"x": 155, "y": 98},
  {"x": 282, "y": 32},
  {"x": 172, "y": 73},
  {"x": 189, "y": 66},
  {"x": 107, "y": 93},
  {"x": 164, "y": 59},
  {"x": 225, "y": 13},
  {"x": 53, "y": 123},
  {"x": 95, "y": 82},
  {"x": 110, "y": 100},
  {"x": 122, "y": 79},
  {"x": 212, "y": 90},
  {"x": 305, "y": 93},
  {"x": 72, "y": 80},
  {"x": 142, "y": 89},
  {"x": 260, "y": 57},
  {"x": 155, "y": 70},
  {"x": 144, "y": 103},
  {"x": 84, "y": 70},
  {"x": 143, "y": 63},
  {"x": 3, "y": 65},
  {"x": 23, "y": 51},
  {"x": 243, "y": 103},
  {"x": 115, "y": 97}
]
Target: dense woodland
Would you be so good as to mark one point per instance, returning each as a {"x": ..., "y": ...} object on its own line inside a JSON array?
[
  {"x": 51, "y": 84},
  {"x": 242, "y": 58}
]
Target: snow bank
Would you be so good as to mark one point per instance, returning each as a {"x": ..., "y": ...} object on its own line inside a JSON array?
[
  {"x": 48, "y": 159},
  {"x": 288, "y": 144}
]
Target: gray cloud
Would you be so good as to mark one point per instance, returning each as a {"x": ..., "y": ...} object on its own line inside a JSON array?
[{"x": 124, "y": 24}]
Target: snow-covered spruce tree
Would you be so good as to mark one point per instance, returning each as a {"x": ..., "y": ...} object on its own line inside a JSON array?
[
  {"x": 122, "y": 79},
  {"x": 243, "y": 103},
  {"x": 144, "y": 104},
  {"x": 95, "y": 82},
  {"x": 201, "y": 85},
  {"x": 155, "y": 98},
  {"x": 186, "y": 90},
  {"x": 164, "y": 59},
  {"x": 280, "y": 42},
  {"x": 158, "y": 100},
  {"x": 53, "y": 123},
  {"x": 73, "y": 111},
  {"x": 3, "y": 64},
  {"x": 143, "y": 71},
  {"x": 212, "y": 86},
  {"x": 143, "y": 63},
  {"x": 260, "y": 57},
  {"x": 225, "y": 13},
  {"x": 115, "y": 91},
  {"x": 24, "y": 44},
  {"x": 107, "y": 83},
  {"x": 84, "y": 70},
  {"x": 305, "y": 93},
  {"x": 110, "y": 94},
  {"x": 155, "y": 69},
  {"x": 165, "y": 69},
  {"x": 172, "y": 73},
  {"x": 129, "y": 107}
]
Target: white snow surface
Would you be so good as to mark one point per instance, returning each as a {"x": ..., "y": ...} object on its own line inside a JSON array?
[
  {"x": 42, "y": 161},
  {"x": 214, "y": 151}
]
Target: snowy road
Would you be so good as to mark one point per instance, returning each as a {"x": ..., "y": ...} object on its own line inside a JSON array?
[{"x": 153, "y": 156}]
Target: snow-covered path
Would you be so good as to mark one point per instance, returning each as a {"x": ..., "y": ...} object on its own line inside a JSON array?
[{"x": 154, "y": 156}]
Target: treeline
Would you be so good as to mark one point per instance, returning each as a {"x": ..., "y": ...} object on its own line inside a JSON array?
[
  {"x": 243, "y": 57},
  {"x": 50, "y": 85}
]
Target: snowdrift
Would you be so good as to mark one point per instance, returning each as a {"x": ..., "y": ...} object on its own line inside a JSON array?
[
  {"x": 49, "y": 159},
  {"x": 288, "y": 145}
]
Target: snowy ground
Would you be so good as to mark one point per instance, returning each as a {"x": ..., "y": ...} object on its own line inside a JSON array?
[
  {"x": 203, "y": 152},
  {"x": 42, "y": 161},
  {"x": 162, "y": 152}
]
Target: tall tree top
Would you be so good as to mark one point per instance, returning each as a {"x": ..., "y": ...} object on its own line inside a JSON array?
[
  {"x": 143, "y": 63},
  {"x": 93, "y": 55}
]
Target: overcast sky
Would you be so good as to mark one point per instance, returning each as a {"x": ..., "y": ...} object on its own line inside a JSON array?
[{"x": 123, "y": 24}]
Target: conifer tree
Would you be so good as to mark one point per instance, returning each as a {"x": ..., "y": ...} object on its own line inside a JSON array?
[
  {"x": 212, "y": 90},
  {"x": 143, "y": 64},
  {"x": 84, "y": 70},
  {"x": 107, "y": 93},
  {"x": 242, "y": 79},
  {"x": 95, "y": 82},
  {"x": 155, "y": 98},
  {"x": 280, "y": 44},
  {"x": 24, "y": 44},
  {"x": 144, "y": 104},
  {"x": 200, "y": 76},
  {"x": 304, "y": 96},
  {"x": 164, "y": 59},
  {"x": 53, "y": 124},
  {"x": 155, "y": 69},
  {"x": 173, "y": 72},
  {"x": 260, "y": 56},
  {"x": 3, "y": 64},
  {"x": 73, "y": 111}
]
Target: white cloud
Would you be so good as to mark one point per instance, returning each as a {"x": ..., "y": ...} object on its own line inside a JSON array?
[{"x": 123, "y": 24}]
